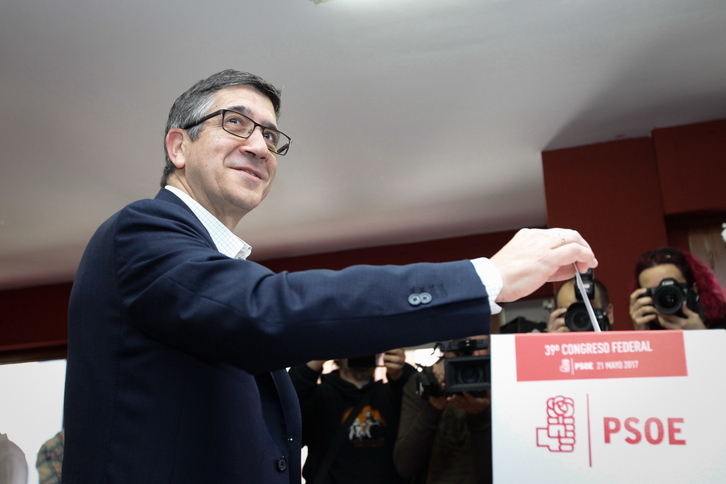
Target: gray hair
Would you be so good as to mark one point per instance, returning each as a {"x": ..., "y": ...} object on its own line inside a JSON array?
[{"x": 196, "y": 101}]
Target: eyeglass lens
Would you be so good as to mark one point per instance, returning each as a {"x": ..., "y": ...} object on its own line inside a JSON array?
[{"x": 242, "y": 126}]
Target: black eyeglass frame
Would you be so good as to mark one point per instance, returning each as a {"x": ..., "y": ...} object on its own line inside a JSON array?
[{"x": 282, "y": 151}]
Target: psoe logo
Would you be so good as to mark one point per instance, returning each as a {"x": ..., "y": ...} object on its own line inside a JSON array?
[{"x": 559, "y": 434}]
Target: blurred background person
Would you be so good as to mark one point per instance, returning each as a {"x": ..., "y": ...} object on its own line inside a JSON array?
[
  {"x": 50, "y": 459},
  {"x": 675, "y": 290},
  {"x": 350, "y": 420},
  {"x": 444, "y": 438},
  {"x": 13, "y": 466}
]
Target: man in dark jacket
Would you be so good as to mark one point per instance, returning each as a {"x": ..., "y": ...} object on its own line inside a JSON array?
[{"x": 177, "y": 344}]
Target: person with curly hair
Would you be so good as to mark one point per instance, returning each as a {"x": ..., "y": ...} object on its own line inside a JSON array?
[{"x": 704, "y": 299}]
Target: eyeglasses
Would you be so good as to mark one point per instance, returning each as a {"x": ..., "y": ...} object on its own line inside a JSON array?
[{"x": 242, "y": 126}]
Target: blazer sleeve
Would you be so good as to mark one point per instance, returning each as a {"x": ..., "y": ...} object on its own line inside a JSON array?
[{"x": 178, "y": 289}]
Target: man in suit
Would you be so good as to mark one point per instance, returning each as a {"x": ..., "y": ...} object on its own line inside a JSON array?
[{"x": 178, "y": 345}]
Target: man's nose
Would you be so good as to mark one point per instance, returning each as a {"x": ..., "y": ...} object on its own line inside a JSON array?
[{"x": 256, "y": 143}]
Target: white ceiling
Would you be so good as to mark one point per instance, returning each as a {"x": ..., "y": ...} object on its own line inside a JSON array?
[{"x": 411, "y": 119}]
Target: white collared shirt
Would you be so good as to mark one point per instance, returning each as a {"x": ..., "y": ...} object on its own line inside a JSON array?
[
  {"x": 492, "y": 280},
  {"x": 224, "y": 239}
]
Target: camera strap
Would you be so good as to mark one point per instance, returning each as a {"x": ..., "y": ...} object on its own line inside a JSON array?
[{"x": 363, "y": 400}]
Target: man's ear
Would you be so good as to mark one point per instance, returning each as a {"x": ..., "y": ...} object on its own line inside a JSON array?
[{"x": 175, "y": 146}]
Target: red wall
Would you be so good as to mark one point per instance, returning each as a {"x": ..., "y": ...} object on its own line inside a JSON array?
[
  {"x": 33, "y": 323},
  {"x": 692, "y": 167},
  {"x": 623, "y": 196}
]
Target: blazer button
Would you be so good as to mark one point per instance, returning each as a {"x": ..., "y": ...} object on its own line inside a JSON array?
[
  {"x": 425, "y": 297},
  {"x": 414, "y": 299},
  {"x": 282, "y": 464}
]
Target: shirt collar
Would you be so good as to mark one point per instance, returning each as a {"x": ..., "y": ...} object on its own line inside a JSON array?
[{"x": 224, "y": 239}]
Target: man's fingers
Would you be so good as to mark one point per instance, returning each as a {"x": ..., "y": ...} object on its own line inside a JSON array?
[
  {"x": 569, "y": 254},
  {"x": 568, "y": 236},
  {"x": 536, "y": 256}
]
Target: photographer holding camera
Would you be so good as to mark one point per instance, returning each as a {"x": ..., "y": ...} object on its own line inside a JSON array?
[
  {"x": 444, "y": 436},
  {"x": 350, "y": 421},
  {"x": 676, "y": 291},
  {"x": 571, "y": 314}
]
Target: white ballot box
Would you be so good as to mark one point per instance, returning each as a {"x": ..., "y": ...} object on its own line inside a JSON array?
[{"x": 611, "y": 407}]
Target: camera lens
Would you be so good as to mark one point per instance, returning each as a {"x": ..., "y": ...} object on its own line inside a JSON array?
[
  {"x": 577, "y": 318},
  {"x": 668, "y": 299},
  {"x": 469, "y": 374},
  {"x": 581, "y": 320}
]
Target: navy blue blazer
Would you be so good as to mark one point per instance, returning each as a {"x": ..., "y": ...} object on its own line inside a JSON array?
[{"x": 177, "y": 353}]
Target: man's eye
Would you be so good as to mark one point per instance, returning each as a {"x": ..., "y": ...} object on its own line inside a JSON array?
[
  {"x": 237, "y": 121},
  {"x": 271, "y": 136}
]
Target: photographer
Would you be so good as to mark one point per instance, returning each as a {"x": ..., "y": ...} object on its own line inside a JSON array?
[
  {"x": 444, "y": 438},
  {"x": 676, "y": 291},
  {"x": 349, "y": 420},
  {"x": 567, "y": 317}
]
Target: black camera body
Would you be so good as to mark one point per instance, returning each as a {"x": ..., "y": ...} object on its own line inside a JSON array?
[
  {"x": 462, "y": 373},
  {"x": 427, "y": 385},
  {"x": 588, "y": 282},
  {"x": 669, "y": 296},
  {"x": 577, "y": 318}
]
